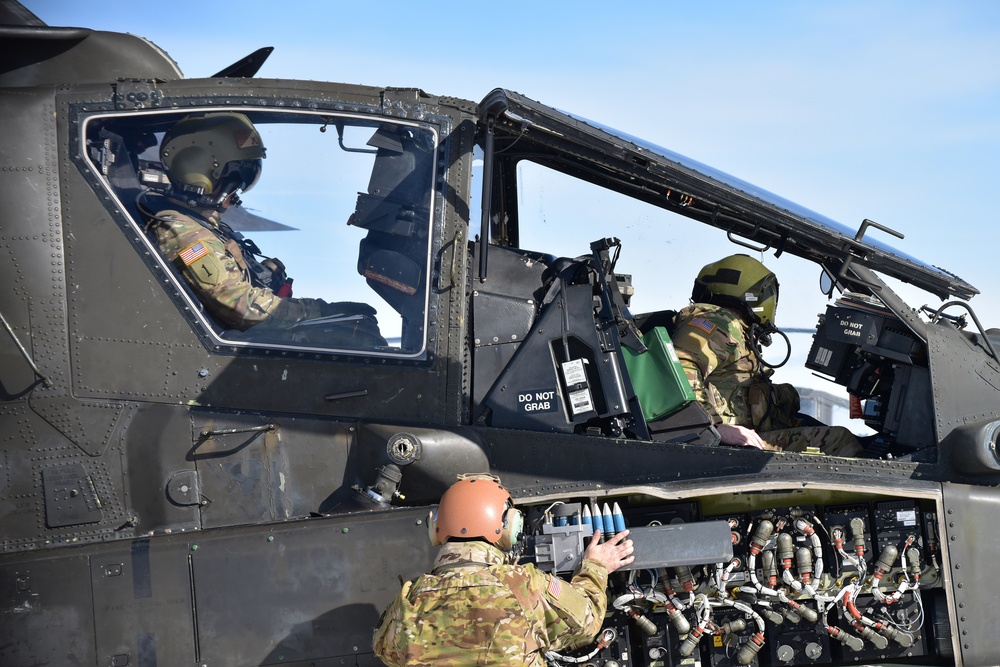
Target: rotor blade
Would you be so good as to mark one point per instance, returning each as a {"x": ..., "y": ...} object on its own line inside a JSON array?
[
  {"x": 243, "y": 220},
  {"x": 248, "y": 66},
  {"x": 14, "y": 13}
]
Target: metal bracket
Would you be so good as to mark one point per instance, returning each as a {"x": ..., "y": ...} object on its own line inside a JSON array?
[
  {"x": 852, "y": 246},
  {"x": 751, "y": 235},
  {"x": 760, "y": 249}
]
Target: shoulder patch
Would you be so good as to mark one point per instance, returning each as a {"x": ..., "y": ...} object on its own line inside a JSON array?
[
  {"x": 193, "y": 253},
  {"x": 702, "y": 324},
  {"x": 555, "y": 586}
]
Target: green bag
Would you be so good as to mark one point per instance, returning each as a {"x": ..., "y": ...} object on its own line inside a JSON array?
[{"x": 657, "y": 376}]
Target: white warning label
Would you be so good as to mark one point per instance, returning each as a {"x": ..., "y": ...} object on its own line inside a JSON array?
[
  {"x": 580, "y": 401},
  {"x": 574, "y": 372},
  {"x": 823, "y": 356},
  {"x": 543, "y": 400}
]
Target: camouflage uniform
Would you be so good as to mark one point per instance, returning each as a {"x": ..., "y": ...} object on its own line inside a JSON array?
[
  {"x": 475, "y": 609},
  {"x": 713, "y": 344},
  {"x": 218, "y": 281}
]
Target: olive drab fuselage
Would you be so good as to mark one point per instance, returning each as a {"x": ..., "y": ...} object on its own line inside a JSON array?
[{"x": 177, "y": 490}]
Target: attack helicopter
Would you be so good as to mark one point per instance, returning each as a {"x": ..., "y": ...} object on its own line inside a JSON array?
[{"x": 176, "y": 491}]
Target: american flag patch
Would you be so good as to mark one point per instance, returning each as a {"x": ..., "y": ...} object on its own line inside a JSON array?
[
  {"x": 555, "y": 586},
  {"x": 193, "y": 253},
  {"x": 703, "y": 324}
]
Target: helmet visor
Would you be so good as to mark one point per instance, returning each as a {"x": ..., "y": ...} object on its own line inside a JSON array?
[
  {"x": 766, "y": 304},
  {"x": 770, "y": 289},
  {"x": 240, "y": 175}
]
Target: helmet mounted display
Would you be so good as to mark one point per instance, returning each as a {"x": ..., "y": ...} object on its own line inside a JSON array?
[{"x": 209, "y": 158}]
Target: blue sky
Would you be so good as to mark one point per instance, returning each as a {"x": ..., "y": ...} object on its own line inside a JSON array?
[{"x": 856, "y": 109}]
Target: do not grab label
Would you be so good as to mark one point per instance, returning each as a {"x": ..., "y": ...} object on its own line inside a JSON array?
[{"x": 542, "y": 400}]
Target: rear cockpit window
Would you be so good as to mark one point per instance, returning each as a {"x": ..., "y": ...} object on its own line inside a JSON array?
[{"x": 291, "y": 230}]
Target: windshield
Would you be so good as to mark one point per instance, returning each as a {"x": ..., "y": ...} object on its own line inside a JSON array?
[{"x": 327, "y": 251}]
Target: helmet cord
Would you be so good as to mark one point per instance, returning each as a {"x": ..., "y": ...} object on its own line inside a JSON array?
[{"x": 761, "y": 335}]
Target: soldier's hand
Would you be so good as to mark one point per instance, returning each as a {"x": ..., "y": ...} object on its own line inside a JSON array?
[
  {"x": 614, "y": 553},
  {"x": 740, "y": 436}
]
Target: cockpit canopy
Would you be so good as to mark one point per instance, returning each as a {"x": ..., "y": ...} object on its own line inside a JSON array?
[{"x": 330, "y": 182}]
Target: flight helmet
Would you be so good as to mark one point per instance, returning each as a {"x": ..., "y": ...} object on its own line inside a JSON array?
[
  {"x": 477, "y": 506},
  {"x": 742, "y": 283},
  {"x": 210, "y": 157}
]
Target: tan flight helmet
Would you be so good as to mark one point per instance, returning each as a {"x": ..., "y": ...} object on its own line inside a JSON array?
[
  {"x": 742, "y": 283},
  {"x": 477, "y": 506},
  {"x": 210, "y": 157}
]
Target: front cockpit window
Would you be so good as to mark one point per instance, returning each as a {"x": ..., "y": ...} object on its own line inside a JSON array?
[{"x": 293, "y": 230}]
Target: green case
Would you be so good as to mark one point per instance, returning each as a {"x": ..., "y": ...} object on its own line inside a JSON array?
[{"x": 657, "y": 376}]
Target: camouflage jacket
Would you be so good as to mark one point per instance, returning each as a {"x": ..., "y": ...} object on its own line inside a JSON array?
[
  {"x": 197, "y": 248},
  {"x": 475, "y": 609},
  {"x": 713, "y": 345}
]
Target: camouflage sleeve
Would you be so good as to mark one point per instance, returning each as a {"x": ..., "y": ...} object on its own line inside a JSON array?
[
  {"x": 578, "y": 606},
  {"x": 701, "y": 348},
  {"x": 384, "y": 639},
  {"x": 218, "y": 281},
  {"x": 696, "y": 378}
]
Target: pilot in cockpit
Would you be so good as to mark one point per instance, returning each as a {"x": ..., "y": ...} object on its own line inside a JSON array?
[
  {"x": 208, "y": 159},
  {"x": 716, "y": 338}
]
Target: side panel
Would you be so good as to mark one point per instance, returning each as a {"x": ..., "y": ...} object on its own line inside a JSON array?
[
  {"x": 969, "y": 526},
  {"x": 142, "y": 604},
  {"x": 966, "y": 381},
  {"x": 303, "y": 591},
  {"x": 47, "y": 598},
  {"x": 60, "y": 469},
  {"x": 30, "y": 239},
  {"x": 34, "y": 417},
  {"x": 295, "y": 594}
]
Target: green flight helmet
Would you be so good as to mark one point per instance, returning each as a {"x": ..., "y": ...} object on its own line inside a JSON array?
[
  {"x": 742, "y": 283},
  {"x": 212, "y": 156}
]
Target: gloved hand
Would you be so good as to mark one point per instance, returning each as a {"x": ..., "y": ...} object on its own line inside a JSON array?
[{"x": 280, "y": 283}]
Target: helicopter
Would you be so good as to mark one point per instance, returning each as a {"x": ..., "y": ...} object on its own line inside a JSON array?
[{"x": 178, "y": 491}]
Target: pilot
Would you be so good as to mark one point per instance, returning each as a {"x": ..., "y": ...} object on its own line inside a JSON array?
[
  {"x": 477, "y": 606},
  {"x": 717, "y": 339},
  {"x": 207, "y": 160}
]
